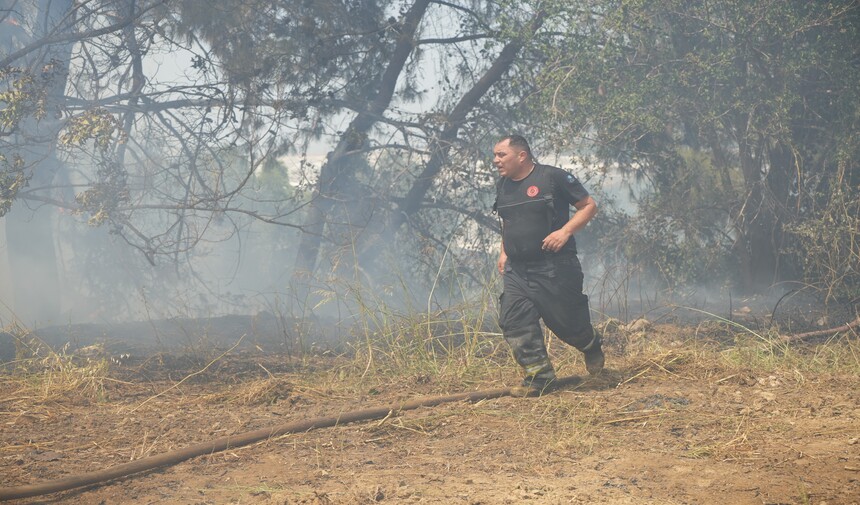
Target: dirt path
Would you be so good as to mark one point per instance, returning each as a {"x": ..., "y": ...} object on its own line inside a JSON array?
[{"x": 663, "y": 430}]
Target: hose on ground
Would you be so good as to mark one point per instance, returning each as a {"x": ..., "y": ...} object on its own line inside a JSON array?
[{"x": 239, "y": 440}]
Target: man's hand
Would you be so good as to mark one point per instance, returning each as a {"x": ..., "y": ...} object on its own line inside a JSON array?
[
  {"x": 555, "y": 240},
  {"x": 503, "y": 258}
]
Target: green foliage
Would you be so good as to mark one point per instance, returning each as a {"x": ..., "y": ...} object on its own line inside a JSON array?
[
  {"x": 828, "y": 243},
  {"x": 12, "y": 180},
  {"x": 97, "y": 125},
  {"x": 729, "y": 113},
  {"x": 104, "y": 198},
  {"x": 23, "y": 95},
  {"x": 311, "y": 50},
  {"x": 757, "y": 97},
  {"x": 20, "y": 103},
  {"x": 677, "y": 234},
  {"x": 274, "y": 181}
]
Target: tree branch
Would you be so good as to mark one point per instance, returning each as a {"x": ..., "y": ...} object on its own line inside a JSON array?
[
  {"x": 452, "y": 40},
  {"x": 819, "y": 333},
  {"x": 74, "y": 37}
]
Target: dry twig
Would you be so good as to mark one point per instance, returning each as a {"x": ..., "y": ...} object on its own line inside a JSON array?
[{"x": 845, "y": 327}]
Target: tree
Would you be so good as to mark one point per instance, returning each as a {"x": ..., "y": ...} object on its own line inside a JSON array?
[
  {"x": 85, "y": 131},
  {"x": 34, "y": 100},
  {"x": 761, "y": 92},
  {"x": 430, "y": 134},
  {"x": 334, "y": 177}
]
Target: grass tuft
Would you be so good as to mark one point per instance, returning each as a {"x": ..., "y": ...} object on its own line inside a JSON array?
[{"x": 39, "y": 374}]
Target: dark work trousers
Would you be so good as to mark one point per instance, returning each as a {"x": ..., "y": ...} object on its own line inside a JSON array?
[{"x": 551, "y": 289}]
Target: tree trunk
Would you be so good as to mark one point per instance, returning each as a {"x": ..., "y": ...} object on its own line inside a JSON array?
[
  {"x": 783, "y": 178},
  {"x": 336, "y": 169},
  {"x": 756, "y": 222},
  {"x": 30, "y": 231},
  {"x": 412, "y": 200}
]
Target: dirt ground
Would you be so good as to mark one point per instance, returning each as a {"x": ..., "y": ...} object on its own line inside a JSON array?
[{"x": 658, "y": 428}]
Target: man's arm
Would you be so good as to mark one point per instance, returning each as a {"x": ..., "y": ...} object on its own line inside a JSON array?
[{"x": 585, "y": 210}]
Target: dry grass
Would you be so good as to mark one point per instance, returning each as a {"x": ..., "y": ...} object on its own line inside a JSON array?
[
  {"x": 401, "y": 359},
  {"x": 401, "y": 354},
  {"x": 267, "y": 391},
  {"x": 707, "y": 396},
  {"x": 40, "y": 375}
]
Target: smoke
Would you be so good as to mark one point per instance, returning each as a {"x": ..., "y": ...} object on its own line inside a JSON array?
[{"x": 6, "y": 302}]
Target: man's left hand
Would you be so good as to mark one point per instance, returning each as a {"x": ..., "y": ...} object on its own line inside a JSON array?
[{"x": 555, "y": 241}]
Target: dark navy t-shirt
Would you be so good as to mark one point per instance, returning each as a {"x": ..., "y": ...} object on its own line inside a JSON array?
[{"x": 534, "y": 207}]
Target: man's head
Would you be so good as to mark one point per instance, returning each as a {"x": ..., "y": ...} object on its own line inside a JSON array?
[{"x": 513, "y": 157}]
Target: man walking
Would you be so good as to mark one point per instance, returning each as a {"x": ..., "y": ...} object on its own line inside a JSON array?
[{"x": 542, "y": 274}]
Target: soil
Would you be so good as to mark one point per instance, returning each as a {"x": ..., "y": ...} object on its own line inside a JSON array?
[{"x": 651, "y": 429}]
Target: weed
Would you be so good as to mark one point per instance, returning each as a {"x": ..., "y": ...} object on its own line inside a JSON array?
[
  {"x": 267, "y": 391},
  {"x": 450, "y": 344},
  {"x": 42, "y": 374}
]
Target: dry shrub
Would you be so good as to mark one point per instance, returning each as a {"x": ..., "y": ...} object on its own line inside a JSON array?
[
  {"x": 827, "y": 243},
  {"x": 266, "y": 391},
  {"x": 41, "y": 374}
]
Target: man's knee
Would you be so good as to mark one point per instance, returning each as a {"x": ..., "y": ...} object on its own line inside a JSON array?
[
  {"x": 582, "y": 337},
  {"x": 523, "y": 335}
]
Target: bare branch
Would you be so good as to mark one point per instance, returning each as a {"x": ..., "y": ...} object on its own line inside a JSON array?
[{"x": 75, "y": 37}]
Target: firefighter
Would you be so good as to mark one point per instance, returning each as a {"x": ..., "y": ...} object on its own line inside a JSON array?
[{"x": 542, "y": 274}]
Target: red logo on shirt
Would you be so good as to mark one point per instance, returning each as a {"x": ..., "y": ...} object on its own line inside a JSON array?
[{"x": 532, "y": 191}]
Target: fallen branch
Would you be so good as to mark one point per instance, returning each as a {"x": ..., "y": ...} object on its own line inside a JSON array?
[{"x": 817, "y": 333}]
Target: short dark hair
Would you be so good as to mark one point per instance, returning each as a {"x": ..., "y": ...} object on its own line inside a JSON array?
[{"x": 519, "y": 142}]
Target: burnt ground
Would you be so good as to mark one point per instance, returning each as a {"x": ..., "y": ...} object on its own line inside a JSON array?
[{"x": 682, "y": 415}]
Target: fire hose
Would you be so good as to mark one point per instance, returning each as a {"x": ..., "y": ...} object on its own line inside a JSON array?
[{"x": 242, "y": 439}]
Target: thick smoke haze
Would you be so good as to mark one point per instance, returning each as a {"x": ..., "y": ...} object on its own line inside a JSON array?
[
  {"x": 5, "y": 278},
  {"x": 332, "y": 159}
]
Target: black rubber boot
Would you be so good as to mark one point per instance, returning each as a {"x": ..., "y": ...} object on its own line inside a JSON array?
[
  {"x": 534, "y": 386},
  {"x": 594, "y": 357}
]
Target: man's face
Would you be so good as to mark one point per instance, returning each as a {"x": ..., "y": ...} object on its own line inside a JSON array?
[{"x": 509, "y": 161}]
